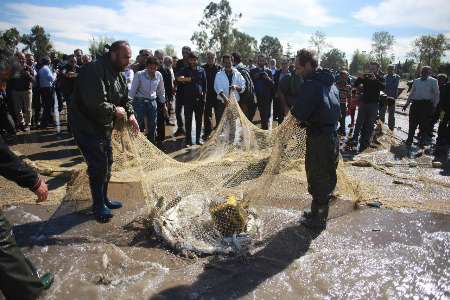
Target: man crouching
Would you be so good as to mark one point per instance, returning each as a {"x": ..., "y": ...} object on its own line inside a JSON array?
[
  {"x": 100, "y": 98},
  {"x": 317, "y": 108}
]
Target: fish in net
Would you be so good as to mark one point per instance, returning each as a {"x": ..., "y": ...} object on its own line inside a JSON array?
[{"x": 222, "y": 198}]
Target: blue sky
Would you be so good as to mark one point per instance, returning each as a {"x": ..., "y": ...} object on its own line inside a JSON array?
[{"x": 154, "y": 23}]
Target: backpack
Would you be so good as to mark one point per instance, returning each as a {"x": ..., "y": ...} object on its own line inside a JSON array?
[{"x": 248, "y": 96}]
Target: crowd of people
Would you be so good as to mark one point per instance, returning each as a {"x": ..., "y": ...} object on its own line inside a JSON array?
[
  {"x": 161, "y": 86},
  {"x": 145, "y": 94}
]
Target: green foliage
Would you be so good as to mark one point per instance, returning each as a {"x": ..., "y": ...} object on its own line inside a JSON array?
[
  {"x": 382, "y": 43},
  {"x": 97, "y": 46},
  {"x": 169, "y": 50},
  {"x": 215, "y": 28},
  {"x": 289, "y": 53},
  {"x": 244, "y": 44},
  {"x": 38, "y": 42},
  {"x": 359, "y": 62},
  {"x": 271, "y": 47},
  {"x": 334, "y": 59},
  {"x": 444, "y": 68},
  {"x": 9, "y": 40},
  {"x": 429, "y": 50}
]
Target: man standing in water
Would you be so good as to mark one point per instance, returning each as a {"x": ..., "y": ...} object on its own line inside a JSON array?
[
  {"x": 100, "y": 99},
  {"x": 317, "y": 109}
]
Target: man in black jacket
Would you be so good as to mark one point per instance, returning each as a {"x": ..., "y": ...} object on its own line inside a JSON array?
[
  {"x": 317, "y": 108},
  {"x": 264, "y": 87},
  {"x": 372, "y": 84},
  {"x": 100, "y": 99},
  {"x": 211, "y": 69},
  {"x": 17, "y": 278}
]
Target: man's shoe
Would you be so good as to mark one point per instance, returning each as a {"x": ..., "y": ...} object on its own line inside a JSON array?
[
  {"x": 103, "y": 214},
  {"x": 113, "y": 204},
  {"x": 199, "y": 143},
  {"x": 46, "y": 280},
  {"x": 179, "y": 132}
]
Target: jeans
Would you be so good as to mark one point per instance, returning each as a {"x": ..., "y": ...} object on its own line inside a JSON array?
[
  {"x": 219, "y": 107},
  {"x": 146, "y": 110},
  {"x": 160, "y": 124},
  {"x": 97, "y": 151},
  {"x": 365, "y": 122},
  {"x": 195, "y": 106},
  {"x": 390, "y": 106},
  {"x": 17, "y": 279},
  {"x": 420, "y": 115}
]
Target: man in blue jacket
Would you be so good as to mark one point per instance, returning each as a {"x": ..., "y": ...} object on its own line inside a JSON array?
[{"x": 317, "y": 108}]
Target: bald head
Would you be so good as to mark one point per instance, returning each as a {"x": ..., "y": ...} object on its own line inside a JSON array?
[{"x": 120, "y": 53}]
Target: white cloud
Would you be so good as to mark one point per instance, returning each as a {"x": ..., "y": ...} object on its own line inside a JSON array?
[
  {"x": 5, "y": 25},
  {"x": 430, "y": 14},
  {"x": 159, "y": 22},
  {"x": 306, "y": 12}
]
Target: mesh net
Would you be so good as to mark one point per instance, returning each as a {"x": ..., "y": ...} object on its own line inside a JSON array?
[{"x": 214, "y": 202}]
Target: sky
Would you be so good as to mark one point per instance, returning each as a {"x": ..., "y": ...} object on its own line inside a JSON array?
[{"x": 152, "y": 24}]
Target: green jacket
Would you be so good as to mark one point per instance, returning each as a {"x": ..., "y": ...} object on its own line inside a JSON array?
[{"x": 98, "y": 90}]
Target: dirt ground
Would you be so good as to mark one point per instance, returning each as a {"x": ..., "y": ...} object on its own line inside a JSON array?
[{"x": 365, "y": 253}]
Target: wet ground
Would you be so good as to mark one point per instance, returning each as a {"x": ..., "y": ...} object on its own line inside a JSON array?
[{"x": 364, "y": 253}]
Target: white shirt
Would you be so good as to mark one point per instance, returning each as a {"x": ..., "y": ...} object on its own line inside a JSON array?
[
  {"x": 222, "y": 84},
  {"x": 129, "y": 75},
  {"x": 427, "y": 89},
  {"x": 145, "y": 87}
]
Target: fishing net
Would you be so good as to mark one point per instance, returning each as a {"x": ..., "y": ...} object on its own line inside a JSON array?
[{"x": 217, "y": 201}]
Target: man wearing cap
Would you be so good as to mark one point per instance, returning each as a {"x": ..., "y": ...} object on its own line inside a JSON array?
[{"x": 193, "y": 93}]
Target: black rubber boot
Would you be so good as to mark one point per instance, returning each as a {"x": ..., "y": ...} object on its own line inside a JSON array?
[
  {"x": 102, "y": 213},
  {"x": 316, "y": 218},
  {"x": 111, "y": 204}
]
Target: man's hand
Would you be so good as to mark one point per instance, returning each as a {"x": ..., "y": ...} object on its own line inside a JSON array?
[
  {"x": 41, "y": 192},
  {"x": 134, "y": 124},
  {"x": 120, "y": 112},
  {"x": 235, "y": 88}
]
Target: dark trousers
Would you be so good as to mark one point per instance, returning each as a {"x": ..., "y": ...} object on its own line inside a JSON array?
[
  {"x": 321, "y": 160},
  {"x": 60, "y": 98},
  {"x": 178, "y": 108},
  {"x": 219, "y": 107},
  {"x": 160, "y": 125},
  {"x": 388, "y": 104},
  {"x": 278, "y": 113},
  {"x": 420, "y": 115},
  {"x": 342, "y": 118},
  {"x": 365, "y": 122},
  {"x": 37, "y": 106},
  {"x": 17, "y": 279},
  {"x": 443, "y": 138},
  {"x": 97, "y": 152},
  {"x": 48, "y": 102},
  {"x": 264, "y": 105},
  {"x": 6, "y": 120},
  {"x": 194, "y": 106}
]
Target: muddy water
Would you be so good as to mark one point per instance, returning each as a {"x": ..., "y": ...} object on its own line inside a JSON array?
[{"x": 367, "y": 253}]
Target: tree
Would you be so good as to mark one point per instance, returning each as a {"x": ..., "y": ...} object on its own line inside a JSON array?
[
  {"x": 319, "y": 41},
  {"x": 38, "y": 42},
  {"x": 244, "y": 44},
  {"x": 215, "y": 28},
  {"x": 334, "y": 59},
  {"x": 429, "y": 50},
  {"x": 97, "y": 46},
  {"x": 359, "y": 62},
  {"x": 169, "y": 50},
  {"x": 9, "y": 40},
  {"x": 271, "y": 47},
  {"x": 382, "y": 43},
  {"x": 289, "y": 53}
]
